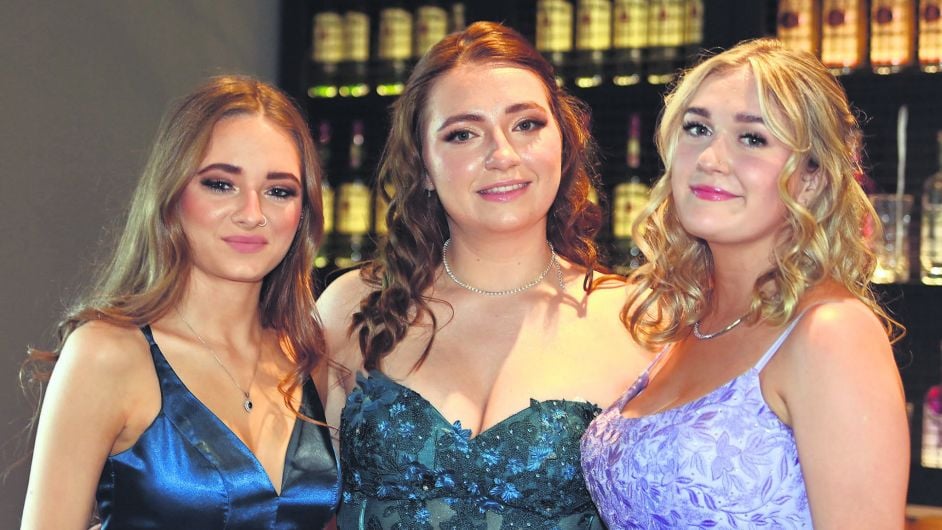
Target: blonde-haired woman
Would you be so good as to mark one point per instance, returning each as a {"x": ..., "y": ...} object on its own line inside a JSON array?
[
  {"x": 775, "y": 401},
  {"x": 179, "y": 383}
]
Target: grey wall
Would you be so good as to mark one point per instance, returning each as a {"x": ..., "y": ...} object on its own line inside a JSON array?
[{"x": 82, "y": 88}]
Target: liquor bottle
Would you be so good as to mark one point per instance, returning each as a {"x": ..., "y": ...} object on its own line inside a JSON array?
[
  {"x": 380, "y": 207},
  {"x": 892, "y": 46},
  {"x": 631, "y": 195},
  {"x": 665, "y": 40},
  {"x": 431, "y": 25},
  {"x": 554, "y": 33},
  {"x": 797, "y": 25},
  {"x": 326, "y": 52},
  {"x": 629, "y": 40},
  {"x": 351, "y": 244},
  {"x": 456, "y": 16},
  {"x": 354, "y": 68},
  {"x": 843, "y": 35},
  {"x": 394, "y": 48},
  {"x": 693, "y": 30},
  {"x": 931, "y": 450},
  {"x": 930, "y": 36},
  {"x": 593, "y": 39},
  {"x": 324, "y": 133},
  {"x": 930, "y": 232}
]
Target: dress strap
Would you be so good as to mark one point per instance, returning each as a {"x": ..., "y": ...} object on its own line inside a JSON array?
[
  {"x": 773, "y": 349},
  {"x": 642, "y": 381}
]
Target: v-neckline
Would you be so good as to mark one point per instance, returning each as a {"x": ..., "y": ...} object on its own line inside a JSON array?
[
  {"x": 229, "y": 433},
  {"x": 375, "y": 374}
]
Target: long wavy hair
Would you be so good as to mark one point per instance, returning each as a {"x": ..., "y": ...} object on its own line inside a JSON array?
[
  {"x": 146, "y": 275},
  {"x": 805, "y": 107},
  {"x": 409, "y": 255}
]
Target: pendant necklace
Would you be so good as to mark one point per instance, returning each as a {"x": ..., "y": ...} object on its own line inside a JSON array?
[{"x": 247, "y": 402}]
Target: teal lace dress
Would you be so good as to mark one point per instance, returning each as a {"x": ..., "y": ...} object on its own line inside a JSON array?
[{"x": 405, "y": 466}]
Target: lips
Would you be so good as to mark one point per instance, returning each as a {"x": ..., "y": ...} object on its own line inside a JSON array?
[
  {"x": 246, "y": 244},
  {"x": 710, "y": 193},
  {"x": 503, "y": 192}
]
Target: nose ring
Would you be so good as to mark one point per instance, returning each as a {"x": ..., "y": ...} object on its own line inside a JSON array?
[{"x": 264, "y": 222}]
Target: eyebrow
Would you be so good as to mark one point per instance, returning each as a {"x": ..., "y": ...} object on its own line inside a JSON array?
[
  {"x": 236, "y": 170},
  {"x": 741, "y": 117},
  {"x": 470, "y": 116}
]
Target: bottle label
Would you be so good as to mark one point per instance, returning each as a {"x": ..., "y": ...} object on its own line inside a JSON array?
[
  {"x": 553, "y": 26},
  {"x": 930, "y": 33},
  {"x": 327, "y": 35},
  {"x": 796, "y": 26},
  {"x": 842, "y": 33},
  {"x": 630, "y": 198},
  {"x": 693, "y": 23},
  {"x": 395, "y": 34},
  {"x": 891, "y": 29},
  {"x": 931, "y": 454},
  {"x": 356, "y": 36},
  {"x": 630, "y": 24},
  {"x": 594, "y": 28},
  {"x": 431, "y": 25},
  {"x": 327, "y": 197},
  {"x": 353, "y": 208},
  {"x": 666, "y": 27},
  {"x": 379, "y": 212}
]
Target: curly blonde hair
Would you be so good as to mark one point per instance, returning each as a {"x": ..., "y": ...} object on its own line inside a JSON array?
[{"x": 805, "y": 107}]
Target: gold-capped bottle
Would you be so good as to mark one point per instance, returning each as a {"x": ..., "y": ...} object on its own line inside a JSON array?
[
  {"x": 693, "y": 30},
  {"x": 629, "y": 41},
  {"x": 326, "y": 52},
  {"x": 393, "y": 48},
  {"x": 665, "y": 40},
  {"x": 797, "y": 25},
  {"x": 554, "y": 34},
  {"x": 324, "y": 133},
  {"x": 630, "y": 197},
  {"x": 351, "y": 241},
  {"x": 354, "y": 68},
  {"x": 843, "y": 35},
  {"x": 892, "y": 39},
  {"x": 431, "y": 25},
  {"x": 593, "y": 40},
  {"x": 930, "y": 36}
]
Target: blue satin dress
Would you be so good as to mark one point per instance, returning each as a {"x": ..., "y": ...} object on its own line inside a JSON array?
[{"x": 189, "y": 470}]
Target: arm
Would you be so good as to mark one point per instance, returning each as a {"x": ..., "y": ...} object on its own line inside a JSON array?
[
  {"x": 336, "y": 307},
  {"x": 845, "y": 400},
  {"x": 83, "y": 414}
]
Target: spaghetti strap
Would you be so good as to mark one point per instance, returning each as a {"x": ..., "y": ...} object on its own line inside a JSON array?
[
  {"x": 641, "y": 382},
  {"x": 767, "y": 356}
]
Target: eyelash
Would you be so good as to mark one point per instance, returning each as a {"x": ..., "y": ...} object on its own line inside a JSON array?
[
  {"x": 531, "y": 125},
  {"x": 697, "y": 129},
  {"x": 222, "y": 186}
]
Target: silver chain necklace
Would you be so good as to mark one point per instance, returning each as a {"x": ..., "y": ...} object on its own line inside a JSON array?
[
  {"x": 247, "y": 402},
  {"x": 553, "y": 262},
  {"x": 707, "y": 336}
]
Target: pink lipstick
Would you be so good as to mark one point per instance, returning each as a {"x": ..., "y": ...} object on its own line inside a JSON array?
[
  {"x": 246, "y": 244},
  {"x": 503, "y": 192},
  {"x": 709, "y": 193}
]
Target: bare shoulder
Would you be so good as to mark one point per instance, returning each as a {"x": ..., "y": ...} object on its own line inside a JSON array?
[
  {"x": 839, "y": 327},
  {"x": 336, "y": 307},
  {"x": 104, "y": 348}
]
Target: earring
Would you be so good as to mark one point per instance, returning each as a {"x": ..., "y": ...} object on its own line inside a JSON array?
[{"x": 428, "y": 193}]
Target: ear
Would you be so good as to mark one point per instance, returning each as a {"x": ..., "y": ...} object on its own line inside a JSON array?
[{"x": 810, "y": 183}]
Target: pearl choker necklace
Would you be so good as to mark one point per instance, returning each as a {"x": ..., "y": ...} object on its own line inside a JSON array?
[
  {"x": 553, "y": 262},
  {"x": 707, "y": 336}
]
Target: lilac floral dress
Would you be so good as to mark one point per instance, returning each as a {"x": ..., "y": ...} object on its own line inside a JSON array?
[{"x": 722, "y": 461}]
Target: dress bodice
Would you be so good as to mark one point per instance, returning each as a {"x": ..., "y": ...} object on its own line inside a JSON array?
[
  {"x": 722, "y": 461},
  {"x": 406, "y": 466},
  {"x": 189, "y": 470}
]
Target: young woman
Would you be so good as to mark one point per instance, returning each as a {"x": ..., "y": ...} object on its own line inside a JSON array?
[
  {"x": 777, "y": 402},
  {"x": 181, "y": 394},
  {"x": 474, "y": 356}
]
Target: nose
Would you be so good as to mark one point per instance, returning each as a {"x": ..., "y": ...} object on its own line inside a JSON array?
[
  {"x": 248, "y": 213},
  {"x": 503, "y": 155},
  {"x": 715, "y": 156}
]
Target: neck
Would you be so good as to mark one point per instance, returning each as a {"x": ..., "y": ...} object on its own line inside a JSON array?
[
  {"x": 226, "y": 312},
  {"x": 734, "y": 279},
  {"x": 498, "y": 263}
]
